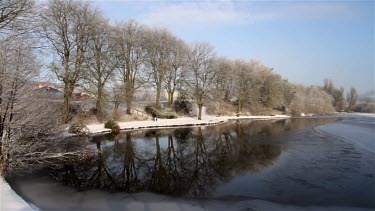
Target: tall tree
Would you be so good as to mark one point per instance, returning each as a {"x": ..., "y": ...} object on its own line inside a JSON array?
[
  {"x": 201, "y": 72},
  {"x": 26, "y": 122},
  {"x": 339, "y": 99},
  {"x": 176, "y": 69},
  {"x": 17, "y": 66},
  {"x": 158, "y": 50},
  {"x": 100, "y": 58},
  {"x": 66, "y": 26},
  {"x": 13, "y": 14},
  {"x": 224, "y": 80},
  {"x": 271, "y": 92},
  {"x": 17, "y": 62},
  {"x": 244, "y": 81},
  {"x": 130, "y": 51},
  {"x": 351, "y": 98}
]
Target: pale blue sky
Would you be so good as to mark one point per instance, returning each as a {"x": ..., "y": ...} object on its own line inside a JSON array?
[{"x": 304, "y": 41}]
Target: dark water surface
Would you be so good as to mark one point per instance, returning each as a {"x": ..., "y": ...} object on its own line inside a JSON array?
[{"x": 284, "y": 161}]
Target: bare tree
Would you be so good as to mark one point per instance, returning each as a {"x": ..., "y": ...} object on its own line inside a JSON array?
[
  {"x": 27, "y": 123},
  {"x": 317, "y": 101},
  {"x": 351, "y": 98},
  {"x": 224, "y": 80},
  {"x": 201, "y": 73},
  {"x": 244, "y": 80},
  {"x": 158, "y": 50},
  {"x": 176, "y": 69},
  {"x": 66, "y": 26},
  {"x": 310, "y": 100},
  {"x": 271, "y": 92},
  {"x": 297, "y": 103},
  {"x": 117, "y": 93},
  {"x": 337, "y": 94},
  {"x": 130, "y": 50},
  {"x": 13, "y": 13},
  {"x": 339, "y": 99},
  {"x": 328, "y": 86},
  {"x": 13, "y": 68},
  {"x": 100, "y": 58}
]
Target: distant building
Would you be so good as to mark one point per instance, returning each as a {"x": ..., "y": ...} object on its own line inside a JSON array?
[
  {"x": 77, "y": 95},
  {"x": 48, "y": 90},
  {"x": 55, "y": 91}
]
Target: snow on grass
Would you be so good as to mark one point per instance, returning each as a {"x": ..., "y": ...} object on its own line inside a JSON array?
[{"x": 9, "y": 200}]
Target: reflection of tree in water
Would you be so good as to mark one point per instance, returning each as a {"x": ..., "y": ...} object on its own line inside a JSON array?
[
  {"x": 101, "y": 177},
  {"x": 127, "y": 177},
  {"x": 91, "y": 172},
  {"x": 178, "y": 162}
]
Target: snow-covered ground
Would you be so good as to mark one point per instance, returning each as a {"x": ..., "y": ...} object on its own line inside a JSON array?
[
  {"x": 9, "y": 200},
  {"x": 53, "y": 193}
]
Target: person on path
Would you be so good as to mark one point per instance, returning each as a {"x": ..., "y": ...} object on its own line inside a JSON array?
[{"x": 154, "y": 117}]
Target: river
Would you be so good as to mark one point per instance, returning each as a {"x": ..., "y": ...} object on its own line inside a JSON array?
[{"x": 299, "y": 163}]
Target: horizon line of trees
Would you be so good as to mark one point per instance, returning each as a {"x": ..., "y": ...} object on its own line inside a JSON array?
[{"x": 338, "y": 94}]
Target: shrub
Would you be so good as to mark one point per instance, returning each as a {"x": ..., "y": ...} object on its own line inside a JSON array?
[
  {"x": 182, "y": 106},
  {"x": 163, "y": 113},
  {"x": 78, "y": 128},
  {"x": 150, "y": 109},
  {"x": 111, "y": 124}
]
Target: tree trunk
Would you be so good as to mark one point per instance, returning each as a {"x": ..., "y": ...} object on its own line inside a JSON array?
[
  {"x": 68, "y": 91},
  {"x": 239, "y": 108},
  {"x": 117, "y": 104},
  {"x": 158, "y": 90},
  {"x": 170, "y": 99},
  {"x": 350, "y": 107},
  {"x": 4, "y": 159},
  {"x": 129, "y": 99},
  {"x": 99, "y": 99},
  {"x": 200, "y": 107},
  {"x": 129, "y": 107}
]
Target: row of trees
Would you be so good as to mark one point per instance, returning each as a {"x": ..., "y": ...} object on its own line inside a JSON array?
[
  {"x": 338, "y": 96},
  {"x": 89, "y": 51}
]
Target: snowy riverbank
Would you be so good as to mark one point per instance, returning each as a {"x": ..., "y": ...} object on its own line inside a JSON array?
[{"x": 183, "y": 121}]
